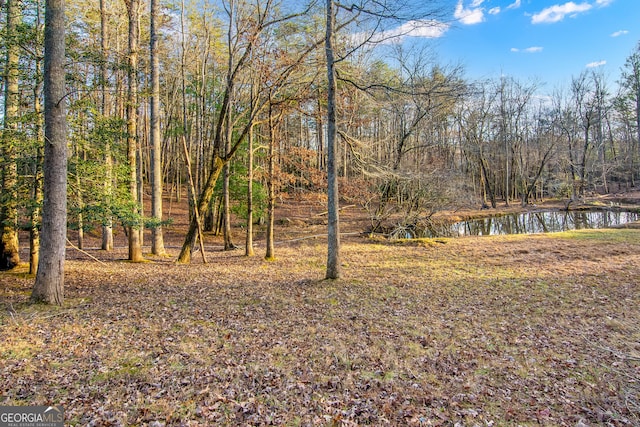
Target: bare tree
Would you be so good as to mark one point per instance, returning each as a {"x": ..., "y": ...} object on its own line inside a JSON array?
[
  {"x": 630, "y": 97},
  {"x": 333, "y": 225},
  {"x": 378, "y": 13},
  {"x": 475, "y": 122}
]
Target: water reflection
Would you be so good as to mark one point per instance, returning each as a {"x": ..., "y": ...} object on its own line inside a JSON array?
[{"x": 536, "y": 222}]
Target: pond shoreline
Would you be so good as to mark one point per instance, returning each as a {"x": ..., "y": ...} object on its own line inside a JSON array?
[
  {"x": 628, "y": 201},
  {"x": 442, "y": 223}
]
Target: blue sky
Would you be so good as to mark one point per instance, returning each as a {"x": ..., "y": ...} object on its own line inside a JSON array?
[{"x": 547, "y": 40}]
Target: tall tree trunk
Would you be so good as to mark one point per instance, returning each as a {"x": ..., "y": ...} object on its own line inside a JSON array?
[
  {"x": 36, "y": 212},
  {"x": 49, "y": 284},
  {"x": 135, "y": 246},
  {"x": 226, "y": 209},
  {"x": 157, "y": 240},
  {"x": 271, "y": 202},
  {"x": 9, "y": 245},
  {"x": 140, "y": 158},
  {"x": 249, "y": 236},
  {"x": 36, "y": 209},
  {"x": 320, "y": 136},
  {"x": 79, "y": 201},
  {"x": 226, "y": 121},
  {"x": 107, "y": 227},
  {"x": 333, "y": 228}
]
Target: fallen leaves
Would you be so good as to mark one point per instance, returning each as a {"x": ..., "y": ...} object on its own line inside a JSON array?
[{"x": 491, "y": 331}]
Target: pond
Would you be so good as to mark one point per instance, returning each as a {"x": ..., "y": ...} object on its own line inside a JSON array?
[{"x": 535, "y": 222}]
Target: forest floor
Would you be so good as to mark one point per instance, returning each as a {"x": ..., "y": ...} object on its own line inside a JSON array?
[{"x": 476, "y": 331}]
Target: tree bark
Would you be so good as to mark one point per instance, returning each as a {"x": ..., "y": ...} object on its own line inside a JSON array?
[
  {"x": 226, "y": 121},
  {"x": 49, "y": 284},
  {"x": 333, "y": 227},
  {"x": 107, "y": 228},
  {"x": 157, "y": 239},
  {"x": 36, "y": 209},
  {"x": 135, "y": 246},
  {"x": 9, "y": 245},
  {"x": 226, "y": 203},
  {"x": 271, "y": 202},
  {"x": 36, "y": 213},
  {"x": 249, "y": 236}
]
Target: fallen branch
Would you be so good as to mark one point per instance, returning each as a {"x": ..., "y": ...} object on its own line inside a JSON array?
[{"x": 86, "y": 253}]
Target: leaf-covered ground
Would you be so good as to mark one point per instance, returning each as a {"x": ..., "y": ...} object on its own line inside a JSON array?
[{"x": 499, "y": 331}]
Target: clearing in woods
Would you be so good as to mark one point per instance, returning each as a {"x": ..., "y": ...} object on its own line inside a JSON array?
[{"x": 516, "y": 330}]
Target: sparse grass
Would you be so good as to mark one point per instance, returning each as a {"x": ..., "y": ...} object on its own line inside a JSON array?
[{"x": 503, "y": 331}]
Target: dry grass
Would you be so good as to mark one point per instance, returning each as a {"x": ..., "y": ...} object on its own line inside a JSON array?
[{"x": 502, "y": 331}]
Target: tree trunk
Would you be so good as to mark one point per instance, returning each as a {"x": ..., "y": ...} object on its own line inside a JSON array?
[
  {"x": 157, "y": 240},
  {"x": 270, "y": 252},
  {"x": 79, "y": 201},
  {"x": 49, "y": 284},
  {"x": 487, "y": 182},
  {"x": 135, "y": 246},
  {"x": 9, "y": 245},
  {"x": 249, "y": 236},
  {"x": 226, "y": 208},
  {"x": 320, "y": 136},
  {"x": 107, "y": 228},
  {"x": 36, "y": 213},
  {"x": 226, "y": 121},
  {"x": 333, "y": 228},
  {"x": 36, "y": 210},
  {"x": 203, "y": 208}
]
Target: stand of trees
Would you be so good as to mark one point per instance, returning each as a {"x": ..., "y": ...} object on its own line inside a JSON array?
[{"x": 164, "y": 93}]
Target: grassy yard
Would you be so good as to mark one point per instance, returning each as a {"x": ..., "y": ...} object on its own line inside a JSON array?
[{"x": 491, "y": 331}]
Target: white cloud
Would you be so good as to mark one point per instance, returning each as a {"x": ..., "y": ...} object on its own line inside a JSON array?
[
  {"x": 469, "y": 16},
  {"x": 419, "y": 28},
  {"x": 515, "y": 4},
  {"x": 532, "y": 49},
  {"x": 620, "y": 33},
  {"x": 494, "y": 10},
  {"x": 603, "y": 3},
  {"x": 596, "y": 64},
  {"x": 557, "y": 12}
]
